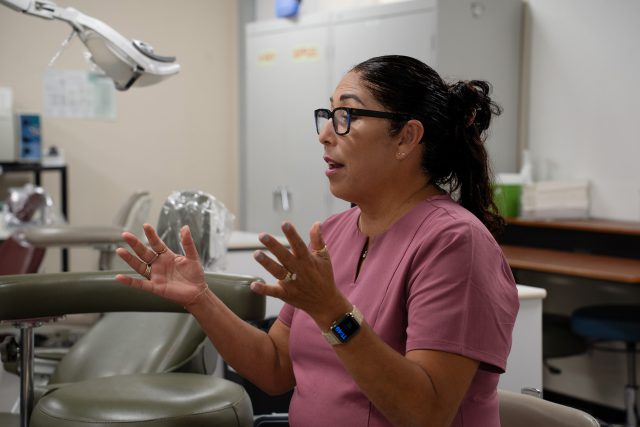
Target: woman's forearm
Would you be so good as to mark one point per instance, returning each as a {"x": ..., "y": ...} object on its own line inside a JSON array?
[
  {"x": 254, "y": 354},
  {"x": 404, "y": 390}
]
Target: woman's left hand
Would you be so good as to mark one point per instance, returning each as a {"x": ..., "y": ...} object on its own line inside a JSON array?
[{"x": 305, "y": 276}]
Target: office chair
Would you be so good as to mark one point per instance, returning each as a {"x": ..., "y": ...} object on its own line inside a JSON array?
[
  {"x": 521, "y": 410},
  {"x": 615, "y": 323},
  {"x": 152, "y": 398}
]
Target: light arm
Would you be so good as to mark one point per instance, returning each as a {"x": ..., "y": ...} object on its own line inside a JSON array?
[
  {"x": 41, "y": 8},
  {"x": 126, "y": 62}
]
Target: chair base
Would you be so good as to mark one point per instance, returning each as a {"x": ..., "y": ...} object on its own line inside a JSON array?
[{"x": 146, "y": 400}]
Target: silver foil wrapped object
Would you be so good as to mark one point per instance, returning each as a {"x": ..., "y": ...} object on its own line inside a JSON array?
[{"x": 208, "y": 219}]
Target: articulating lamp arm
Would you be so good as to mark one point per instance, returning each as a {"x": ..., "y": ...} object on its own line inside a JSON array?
[
  {"x": 126, "y": 62},
  {"x": 42, "y": 8}
]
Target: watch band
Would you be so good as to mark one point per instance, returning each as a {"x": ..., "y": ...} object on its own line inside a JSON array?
[{"x": 338, "y": 334}]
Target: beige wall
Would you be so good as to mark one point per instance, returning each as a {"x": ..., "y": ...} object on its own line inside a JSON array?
[{"x": 180, "y": 134}]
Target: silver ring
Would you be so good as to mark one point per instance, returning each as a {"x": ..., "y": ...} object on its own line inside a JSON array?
[
  {"x": 147, "y": 271},
  {"x": 289, "y": 277}
]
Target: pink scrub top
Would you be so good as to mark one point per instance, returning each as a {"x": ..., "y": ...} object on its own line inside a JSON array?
[{"x": 436, "y": 279}]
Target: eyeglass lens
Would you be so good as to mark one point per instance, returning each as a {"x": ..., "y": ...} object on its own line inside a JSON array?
[{"x": 341, "y": 120}]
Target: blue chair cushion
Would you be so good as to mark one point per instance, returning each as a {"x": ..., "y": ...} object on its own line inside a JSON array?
[{"x": 608, "y": 322}]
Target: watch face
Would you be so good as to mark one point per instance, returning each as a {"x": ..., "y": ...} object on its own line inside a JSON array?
[{"x": 345, "y": 328}]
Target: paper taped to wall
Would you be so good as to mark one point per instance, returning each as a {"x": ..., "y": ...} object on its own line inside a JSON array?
[{"x": 78, "y": 94}]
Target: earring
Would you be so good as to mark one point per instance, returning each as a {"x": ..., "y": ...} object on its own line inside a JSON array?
[{"x": 400, "y": 155}]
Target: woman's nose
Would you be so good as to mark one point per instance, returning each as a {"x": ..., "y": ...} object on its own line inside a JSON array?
[{"x": 327, "y": 134}]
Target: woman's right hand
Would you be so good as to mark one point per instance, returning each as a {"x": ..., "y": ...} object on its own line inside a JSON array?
[{"x": 175, "y": 277}]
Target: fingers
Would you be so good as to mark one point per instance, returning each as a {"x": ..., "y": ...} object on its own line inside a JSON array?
[
  {"x": 146, "y": 255},
  {"x": 284, "y": 255},
  {"x": 277, "y": 249},
  {"x": 262, "y": 288},
  {"x": 143, "y": 252},
  {"x": 298, "y": 246},
  {"x": 315, "y": 234},
  {"x": 135, "y": 263},
  {"x": 157, "y": 245},
  {"x": 276, "y": 270},
  {"x": 188, "y": 244}
]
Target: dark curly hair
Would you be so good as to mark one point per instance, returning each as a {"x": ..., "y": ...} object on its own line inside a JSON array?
[{"x": 455, "y": 118}]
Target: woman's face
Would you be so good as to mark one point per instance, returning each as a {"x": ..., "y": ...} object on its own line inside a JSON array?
[{"x": 360, "y": 164}]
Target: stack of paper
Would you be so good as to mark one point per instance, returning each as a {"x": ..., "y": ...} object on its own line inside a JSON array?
[{"x": 556, "y": 199}]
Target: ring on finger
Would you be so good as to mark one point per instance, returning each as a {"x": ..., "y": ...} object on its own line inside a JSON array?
[
  {"x": 321, "y": 252},
  {"x": 147, "y": 271},
  {"x": 156, "y": 255},
  {"x": 290, "y": 277}
]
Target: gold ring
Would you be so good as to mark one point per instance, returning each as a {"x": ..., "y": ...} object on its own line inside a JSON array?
[
  {"x": 289, "y": 277},
  {"x": 321, "y": 252},
  {"x": 147, "y": 271},
  {"x": 156, "y": 255}
]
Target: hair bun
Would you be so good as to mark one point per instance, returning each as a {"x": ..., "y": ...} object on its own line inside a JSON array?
[{"x": 471, "y": 101}]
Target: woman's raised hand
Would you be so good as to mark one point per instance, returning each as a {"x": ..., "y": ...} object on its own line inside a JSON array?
[
  {"x": 305, "y": 275},
  {"x": 174, "y": 277}
]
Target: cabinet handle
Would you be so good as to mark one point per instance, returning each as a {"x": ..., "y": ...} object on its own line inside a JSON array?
[{"x": 282, "y": 199}]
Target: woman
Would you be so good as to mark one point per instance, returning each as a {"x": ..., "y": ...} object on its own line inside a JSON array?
[{"x": 399, "y": 311}]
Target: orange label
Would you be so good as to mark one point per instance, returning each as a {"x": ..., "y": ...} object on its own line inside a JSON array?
[
  {"x": 305, "y": 53},
  {"x": 267, "y": 58}
]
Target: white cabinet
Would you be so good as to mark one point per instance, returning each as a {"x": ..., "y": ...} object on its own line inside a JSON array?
[
  {"x": 287, "y": 78},
  {"x": 292, "y": 68},
  {"x": 524, "y": 366}
]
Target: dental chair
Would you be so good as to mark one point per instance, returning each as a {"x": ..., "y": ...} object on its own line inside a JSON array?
[
  {"x": 18, "y": 259},
  {"x": 105, "y": 239},
  {"x": 208, "y": 221},
  {"x": 145, "y": 394}
]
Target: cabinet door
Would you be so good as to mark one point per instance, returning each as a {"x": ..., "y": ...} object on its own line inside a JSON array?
[
  {"x": 287, "y": 78},
  {"x": 396, "y": 29}
]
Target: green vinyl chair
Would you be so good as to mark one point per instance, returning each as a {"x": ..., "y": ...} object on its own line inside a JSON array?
[{"x": 149, "y": 391}]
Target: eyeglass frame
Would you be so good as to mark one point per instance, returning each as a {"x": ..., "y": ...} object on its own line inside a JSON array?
[{"x": 357, "y": 112}]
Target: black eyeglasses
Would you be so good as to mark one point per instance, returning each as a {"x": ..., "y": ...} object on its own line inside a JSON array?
[{"x": 341, "y": 117}]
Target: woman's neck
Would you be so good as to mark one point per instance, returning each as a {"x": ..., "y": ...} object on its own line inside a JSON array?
[{"x": 377, "y": 217}]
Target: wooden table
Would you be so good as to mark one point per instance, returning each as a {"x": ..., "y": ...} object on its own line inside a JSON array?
[{"x": 601, "y": 267}]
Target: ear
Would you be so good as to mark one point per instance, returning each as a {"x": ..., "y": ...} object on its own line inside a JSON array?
[{"x": 410, "y": 137}]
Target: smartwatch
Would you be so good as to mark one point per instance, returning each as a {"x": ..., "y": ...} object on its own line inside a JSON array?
[{"x": 344, "y": 328}]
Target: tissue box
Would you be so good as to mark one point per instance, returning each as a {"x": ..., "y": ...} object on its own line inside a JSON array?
[{"x": 556, "y": 199}]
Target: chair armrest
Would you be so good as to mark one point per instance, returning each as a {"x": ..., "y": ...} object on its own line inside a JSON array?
[
  {"x": 33, "y": 296},
  {"x": 70, "y": 235},
  {"x": 54, "y": 354}
]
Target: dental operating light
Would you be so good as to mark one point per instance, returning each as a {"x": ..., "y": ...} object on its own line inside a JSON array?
[{"x": 126, "y": 62}]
